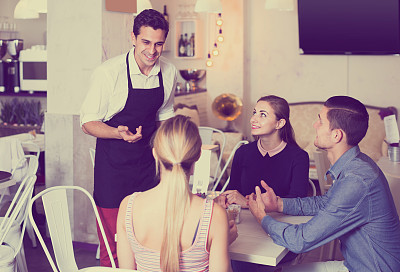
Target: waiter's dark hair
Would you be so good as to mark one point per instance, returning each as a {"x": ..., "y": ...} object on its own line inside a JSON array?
[{"x": 151, "y": 18}]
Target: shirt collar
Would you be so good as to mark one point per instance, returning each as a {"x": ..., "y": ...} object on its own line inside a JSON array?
[
  {"x": 134, "y": 67},
  {"x": 339, "y": 165},
  {"x": 273, "y": 151}
]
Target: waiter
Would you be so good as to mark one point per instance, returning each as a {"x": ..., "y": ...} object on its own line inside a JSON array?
[{"x": 128, "y": 96}]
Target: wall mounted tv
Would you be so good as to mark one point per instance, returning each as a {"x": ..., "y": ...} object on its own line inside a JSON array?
[{"x": 365, "y": 27}]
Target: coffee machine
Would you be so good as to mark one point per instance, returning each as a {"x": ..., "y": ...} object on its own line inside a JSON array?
[
  {"x": 3, "y": 66},
  {"x": 14, "y": 47}
]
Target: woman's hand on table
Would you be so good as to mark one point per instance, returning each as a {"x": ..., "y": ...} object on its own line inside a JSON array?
[
  {"x": 234, "y": 197},
  {"x": 221, "y": 200},
  {"x": 233, "y": 232}
]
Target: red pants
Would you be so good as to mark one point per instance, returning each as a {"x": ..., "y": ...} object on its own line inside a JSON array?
[{"x": 108, "y": 218}]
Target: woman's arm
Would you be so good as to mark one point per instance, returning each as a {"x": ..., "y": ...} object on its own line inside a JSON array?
[
  {"x": 218, "y": 241},
  {"x": 126, "y": 257}
]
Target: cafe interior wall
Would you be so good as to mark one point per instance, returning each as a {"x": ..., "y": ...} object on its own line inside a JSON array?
[
  {"x": 273, "y": 65},
  {"x": 226, "y": 74}
]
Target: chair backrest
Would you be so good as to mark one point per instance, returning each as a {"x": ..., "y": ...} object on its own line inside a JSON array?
[
  {"x": 206, "y": 135},
  {"x": 55, "y": 203},
  {"x": 32, "y": 147},
  {"x": 314, "y": 190},
  {"x": 239, "y": 144},
  {"x": 322, "y": 164},
  {"x": 17, "y": 211}
]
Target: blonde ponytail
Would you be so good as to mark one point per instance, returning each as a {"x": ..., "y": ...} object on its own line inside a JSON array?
[{"x": 177, "y": 145}]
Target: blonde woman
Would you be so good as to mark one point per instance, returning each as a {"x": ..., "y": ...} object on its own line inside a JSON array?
[{"x": 167, "y": 228}]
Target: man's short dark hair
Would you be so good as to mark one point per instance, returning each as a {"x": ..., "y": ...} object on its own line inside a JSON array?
[
  {"x": 349, "y": 115},
  {"x": 151, "y": 18}
]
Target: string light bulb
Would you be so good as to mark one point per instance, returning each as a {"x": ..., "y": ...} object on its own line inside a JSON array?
[
  {"x": 215, "y": 51},
  {"x": 219, "y": 21},
  {"x": 209, "y": 61},
  {"x": 220, "y": 38}
]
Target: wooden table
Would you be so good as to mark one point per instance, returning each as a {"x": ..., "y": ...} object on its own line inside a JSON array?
[
  {"x": 392, "y": 174},
  {"x": 253, "y": 245}
]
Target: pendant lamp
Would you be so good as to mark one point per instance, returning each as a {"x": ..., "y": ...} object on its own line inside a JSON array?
[
  {"x": 210, "y": 6},
  {"x": 23, "y": 11},
  {"x": 284, "y": 5},
  {"x": 142, "y": 5},
  {"x": 38, "y": 5}
]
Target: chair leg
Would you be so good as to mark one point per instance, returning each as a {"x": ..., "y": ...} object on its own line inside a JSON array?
[
  {"x": 98, "y": 253},
  {"x": 330, "y": 248},
  {"x": 31, "y": 233},
  {"x": 21, "y": 261}
]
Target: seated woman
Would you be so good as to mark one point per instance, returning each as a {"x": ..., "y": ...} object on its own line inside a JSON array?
[
  {"x": 167, "y": 228},
  {"x": 274, "y": 157}
]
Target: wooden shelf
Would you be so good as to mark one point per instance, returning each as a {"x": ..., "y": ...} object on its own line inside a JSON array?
[{"x": 25, "y": 94}]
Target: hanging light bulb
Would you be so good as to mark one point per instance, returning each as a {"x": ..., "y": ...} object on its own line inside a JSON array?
[
  {"x": 209, "y": 61},
  {"x": 215, "y": 51},
  {"x": 220, "y": 38},
  {"x": 219, "y": 21}
]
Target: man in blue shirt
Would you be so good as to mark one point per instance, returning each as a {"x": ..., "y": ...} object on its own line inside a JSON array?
[{"x": 358, "y": 209}]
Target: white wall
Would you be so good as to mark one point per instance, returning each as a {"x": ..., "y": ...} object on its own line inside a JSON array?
[{"x": 274, "y": 65}]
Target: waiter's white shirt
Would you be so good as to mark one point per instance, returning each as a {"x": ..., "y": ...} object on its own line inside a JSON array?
[{"x": 108, "y": 89}]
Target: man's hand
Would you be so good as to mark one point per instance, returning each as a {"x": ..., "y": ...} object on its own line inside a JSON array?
[
  {"x": 256, "y": 205},
  {"x": 271, "y": 202},
  {"x": 128, "y": 136},
  {"x": 233, "y": 233},
  {"x": 234, "y": 197}
]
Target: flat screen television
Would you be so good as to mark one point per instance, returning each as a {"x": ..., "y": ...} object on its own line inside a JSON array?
[{"x": 365, "y": 27}]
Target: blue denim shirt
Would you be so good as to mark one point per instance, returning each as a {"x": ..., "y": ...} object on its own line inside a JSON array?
[{"x": 358, "y": 209}]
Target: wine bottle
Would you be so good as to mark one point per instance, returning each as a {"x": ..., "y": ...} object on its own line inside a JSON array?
[
  {"x": 181, "y": 47},
  {"x": 191, "y": 41},
  {"x": 189, "y": 48},
  {"x": 186, "y": 43},
  {"x": 165, "y": 13}
]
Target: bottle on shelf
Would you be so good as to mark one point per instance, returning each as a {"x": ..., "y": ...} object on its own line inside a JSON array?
[
  {"x": 186, "y": 41},
  {"x": 165, "y": 13},
  {"x": 181, "y": 47},
  {"x": 189, "y": 51},
  {"x": 192, "y": 48}
]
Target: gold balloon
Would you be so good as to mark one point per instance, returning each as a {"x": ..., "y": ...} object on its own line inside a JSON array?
[{"x": 227, "y": 107}]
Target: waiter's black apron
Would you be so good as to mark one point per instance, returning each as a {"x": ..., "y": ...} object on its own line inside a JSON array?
[{"x": 122, "y": 168}]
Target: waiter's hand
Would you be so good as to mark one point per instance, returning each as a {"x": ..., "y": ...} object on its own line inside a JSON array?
[{"x": 128, "y": 136}]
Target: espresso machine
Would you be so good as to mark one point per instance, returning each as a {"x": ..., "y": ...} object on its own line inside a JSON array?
[
  {"x": 3, "y": 66},
  {"x": 14, "y": 47}
]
